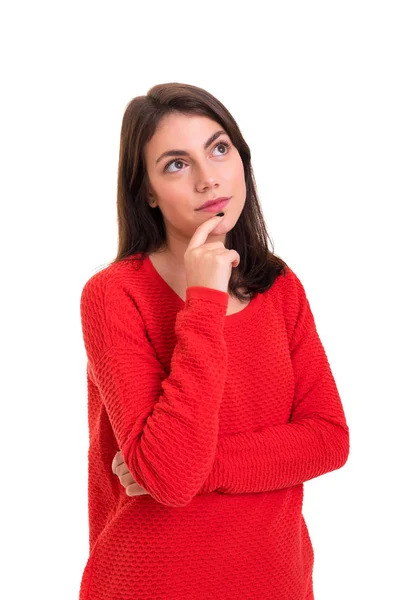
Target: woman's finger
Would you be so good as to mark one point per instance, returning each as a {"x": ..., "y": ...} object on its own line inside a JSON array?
[
  {"x": 127, "y": 479},
  {"x": 121, "y": 470},
  {"x": 117, "y": 460},
  {"x": 135, "y": 490}
]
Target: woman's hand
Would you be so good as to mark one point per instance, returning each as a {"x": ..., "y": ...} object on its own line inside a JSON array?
[
  {"x": 125, "y": 476},
  {"x": 209, "y": 264}
]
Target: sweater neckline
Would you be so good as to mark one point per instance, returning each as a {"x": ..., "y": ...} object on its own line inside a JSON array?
[{"x": 232, "y": 319}]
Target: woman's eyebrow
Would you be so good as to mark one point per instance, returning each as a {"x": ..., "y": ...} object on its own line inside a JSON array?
[{"x": 185, "y": 153}]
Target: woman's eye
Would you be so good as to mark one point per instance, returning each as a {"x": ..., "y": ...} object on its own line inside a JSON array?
[
  {"x": 223, "y": 144},
  {"x": 178, "y": 160}
]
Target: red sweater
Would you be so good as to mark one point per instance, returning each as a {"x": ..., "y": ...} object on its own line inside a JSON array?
[{"x": 220, "y": 419}]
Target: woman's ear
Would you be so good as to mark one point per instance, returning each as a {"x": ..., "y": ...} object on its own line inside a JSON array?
[
  {"x": 148, "y": 193},
  {"x": 151, "y": 200}
]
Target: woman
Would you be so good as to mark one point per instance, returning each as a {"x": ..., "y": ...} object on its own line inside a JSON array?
[{"x": 209, "y": 391}]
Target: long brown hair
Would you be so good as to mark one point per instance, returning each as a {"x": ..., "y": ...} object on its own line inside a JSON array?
[{"x": 141, "y": 228}]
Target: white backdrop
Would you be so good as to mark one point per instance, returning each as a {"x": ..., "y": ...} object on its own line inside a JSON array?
[{"x": 314, "y": 87}]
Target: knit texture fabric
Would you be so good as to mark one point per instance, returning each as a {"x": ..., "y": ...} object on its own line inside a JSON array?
[{"x": 220, "y": 418}]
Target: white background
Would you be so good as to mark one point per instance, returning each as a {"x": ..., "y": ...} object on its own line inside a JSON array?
[{"x": 314, "y": 87}]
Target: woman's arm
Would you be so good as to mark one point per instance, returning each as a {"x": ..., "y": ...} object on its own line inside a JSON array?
[
  {"x": 166, "y": 435},
  {"x": 314, "y": 442}
]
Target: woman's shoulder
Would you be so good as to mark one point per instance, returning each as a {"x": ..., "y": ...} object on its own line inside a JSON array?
[
  {"x": 287, "y": 283},
  {"x": 112, "y": 277},
  {"x": 288, "y": 293},
  {"x": 292, "y": 284}
]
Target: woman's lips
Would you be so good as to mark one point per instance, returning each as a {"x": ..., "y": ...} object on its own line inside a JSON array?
[{"x": 216, "y": 207}]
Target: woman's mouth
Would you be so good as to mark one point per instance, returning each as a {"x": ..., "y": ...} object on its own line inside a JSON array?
[{"x": 216, "y": 205}]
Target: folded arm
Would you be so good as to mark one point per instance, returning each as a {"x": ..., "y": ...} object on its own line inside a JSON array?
[
  {"x": 313, "y": 442},
  {"x": 167, "y": 437}
]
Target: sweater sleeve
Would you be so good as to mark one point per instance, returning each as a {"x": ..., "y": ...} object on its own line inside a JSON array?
[
  {"x": 166, "y": 427},
  {"x": 313, "y": 442}
]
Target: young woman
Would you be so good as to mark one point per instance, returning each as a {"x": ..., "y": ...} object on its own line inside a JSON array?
[{"x": 210, "y": 395}]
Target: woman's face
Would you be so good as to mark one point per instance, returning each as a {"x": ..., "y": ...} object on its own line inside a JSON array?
[{"x": 181, "y": 183}]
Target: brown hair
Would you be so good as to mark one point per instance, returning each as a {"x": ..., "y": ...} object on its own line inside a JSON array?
[{"x": 141, "y": 228}]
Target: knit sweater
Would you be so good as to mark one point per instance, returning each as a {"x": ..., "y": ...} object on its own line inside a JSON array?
[{"x": 221, "y": 419}]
